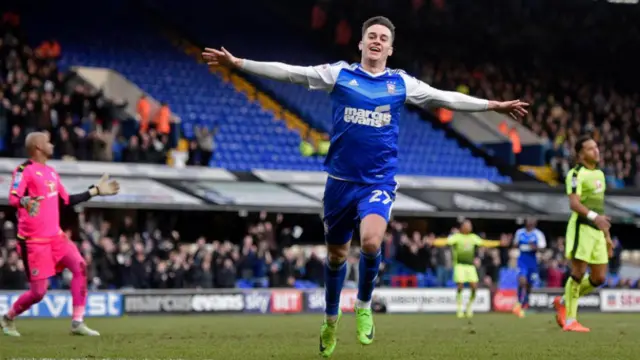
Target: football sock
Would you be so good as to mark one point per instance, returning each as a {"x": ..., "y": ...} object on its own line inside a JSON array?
[
  {"x": 334, "y": 280},
  {"x": 78, "y": 289},
  {"x": 586, "y": 286},
  {"x": 471, "y": 299},
  {"x": 571, "y": 296},
  {"x": 368, "y": 273},
  {"x": 521, "y": 291},
  {"x": 459, "y": 300}
]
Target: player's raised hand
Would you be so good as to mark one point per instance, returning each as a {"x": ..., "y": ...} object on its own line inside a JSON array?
[
  {"x": 31, "y": 204},
  {"x": 603, "y": 223},
  {"x": 220, "y": 57},
  {"x": 513, "y": 108},
  {"x": 106, "y": 187}
]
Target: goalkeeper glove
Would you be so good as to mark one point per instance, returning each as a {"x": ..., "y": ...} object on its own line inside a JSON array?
[
  {"x": 32, "y": 204},
  {"x": 104, "y": 187}
]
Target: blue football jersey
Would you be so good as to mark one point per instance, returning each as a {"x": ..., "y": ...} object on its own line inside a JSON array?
[
  {"x": 366, "y": 112},
  {"x": 528, "y": 242}
]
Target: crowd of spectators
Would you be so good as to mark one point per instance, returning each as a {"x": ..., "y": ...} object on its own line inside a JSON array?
[
  {"x": 121, "y": 255},
  {"x": 35, "y": 95},
  {"x": 568, "y": 59}
]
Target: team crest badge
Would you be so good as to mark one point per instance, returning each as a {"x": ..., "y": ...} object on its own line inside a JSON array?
[
  {"x": 391, "y": 88},
  {"x": 51, "y": 185},
  {"x": 35, "y": 272}
]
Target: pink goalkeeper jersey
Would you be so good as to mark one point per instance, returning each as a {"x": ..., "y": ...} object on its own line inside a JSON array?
[{"x": 35, "y": 179}]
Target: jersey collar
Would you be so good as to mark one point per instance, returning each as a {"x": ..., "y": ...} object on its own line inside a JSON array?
[{"x": 385, "y": 72}]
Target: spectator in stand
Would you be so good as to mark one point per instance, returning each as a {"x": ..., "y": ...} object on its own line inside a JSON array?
[
  {"x": 144, "y": 113},
  {"x": 162, "y": 120},
  {"x": 555, "y": 276},
  {"x": 145, "y": 257},
  {"x": 12, "y": 274},
  {"x": 206, "y": 144},
  {"x": 35, "y": 95}
]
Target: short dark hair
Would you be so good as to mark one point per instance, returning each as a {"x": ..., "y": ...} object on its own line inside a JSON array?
[
  {"x": 379, "y": 20},
  {"x": 580, "y": 142}
]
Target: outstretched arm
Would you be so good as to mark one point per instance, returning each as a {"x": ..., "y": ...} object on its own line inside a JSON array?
[
  {"x": 321, "y": 77},
  {"x": 442, "y": 242},
  {"x": 104, "y": 187},
  {"x": 423, "y": 95}
]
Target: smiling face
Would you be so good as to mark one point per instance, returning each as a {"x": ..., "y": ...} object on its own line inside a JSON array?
[
  {"x": 376, "y": 44},
  {"x": 378, "y": 34}
]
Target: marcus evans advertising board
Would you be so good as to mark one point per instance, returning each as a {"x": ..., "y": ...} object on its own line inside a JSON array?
[
  {"x": 177, "y": 303},
  {"x": 55, "y": 305},
  {"x": 263, "y": 302}
]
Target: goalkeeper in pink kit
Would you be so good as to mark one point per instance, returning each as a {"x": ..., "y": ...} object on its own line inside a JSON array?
[{"x": 36, "y": 191}]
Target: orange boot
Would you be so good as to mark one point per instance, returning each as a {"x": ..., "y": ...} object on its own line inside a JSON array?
[
  {"x": 561, "y": 311},
  {"x": 575, "y": 326}
]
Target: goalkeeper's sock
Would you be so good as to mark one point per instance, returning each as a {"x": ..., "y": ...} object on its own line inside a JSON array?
[
  {"x": 571, "y": 296},
  {"x": 459, "y": 300},
  {"x": 586, "y": 286}
]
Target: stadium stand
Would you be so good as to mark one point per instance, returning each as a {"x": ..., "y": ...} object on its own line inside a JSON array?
[
  {"x": 131, "y": 254},
  {"x": 202, "y": 100},
  {"x": 574, "y": 84},
  {"x": 422, "y": 146},
  {"x": 249, "y": 136}
]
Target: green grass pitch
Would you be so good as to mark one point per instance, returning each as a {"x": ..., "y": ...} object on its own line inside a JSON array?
[{"x": 486, "y": 336}]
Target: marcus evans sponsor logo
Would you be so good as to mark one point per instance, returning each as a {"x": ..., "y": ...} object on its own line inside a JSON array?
[
  {"x": 184, "y": 303},
  {"x": 216, "y": 303},
  {"x": 157, "y": 303},
  {"x": 366, "y": 117}
]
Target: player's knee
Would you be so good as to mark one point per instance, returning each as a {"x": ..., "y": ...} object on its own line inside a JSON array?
[
  {"x": 336, "y": 255},
  {"x": 523, "y": 281},
  {"x": 82, "y": 268},
  {"x": 370, "y": 242},
  {"x": 39, "y": 292},
  {"x": 577, "y": 274},
  {"x": 597, "y": 279}
]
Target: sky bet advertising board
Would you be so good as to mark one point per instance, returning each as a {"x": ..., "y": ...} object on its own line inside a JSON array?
[{"x": 60, "y": 305}]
